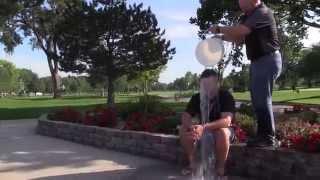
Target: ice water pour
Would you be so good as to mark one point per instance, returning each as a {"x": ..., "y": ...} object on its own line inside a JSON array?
[{"x": 208, "y": 52}]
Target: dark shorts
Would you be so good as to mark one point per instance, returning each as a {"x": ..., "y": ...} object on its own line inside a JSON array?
[{"x": 209, "y": 139}]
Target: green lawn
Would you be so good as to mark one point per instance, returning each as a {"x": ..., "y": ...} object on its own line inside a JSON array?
[
  {"x": 306, "y": 96},
  {"x": 23, "y": 108},
  {"x": 17, "y": 108},
  {"x": 20, "y": 108}
]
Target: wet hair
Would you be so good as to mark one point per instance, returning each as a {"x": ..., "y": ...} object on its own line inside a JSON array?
[{"x": 208, "y": 73}]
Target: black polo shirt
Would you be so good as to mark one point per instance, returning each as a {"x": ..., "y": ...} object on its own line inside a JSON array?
[
  {"x": 263, "y": 38},
  {"x": 224, "y": 102}
]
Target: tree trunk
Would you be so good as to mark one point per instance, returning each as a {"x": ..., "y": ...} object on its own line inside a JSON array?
[
  {"x": 55, "y": 85},
  {"x": 145, "y": 88},
  {"x": 310, "y": 83},
  {"x": 53, "y": 66},
  {"x": 110, "y": 99}
]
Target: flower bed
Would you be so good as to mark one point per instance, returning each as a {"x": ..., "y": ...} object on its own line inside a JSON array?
[
  {"x": 163, "y": 122},
  {"x": 300, "y": 135},
  {"x": 300, "y": 131}
]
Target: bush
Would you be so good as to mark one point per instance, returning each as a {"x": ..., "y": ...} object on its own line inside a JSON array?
[
  {"x": 67, "y": 114},
  {"x": 100, "y": 116},
  {"x": 179, "y": 95},
  {"x": 309, "y": 116},
  {"x": 246, "y": 123},
  {"x": 149, "y": 104},
  {"x": 186, "y": 94},
  {"x": 169, "y": 125},
  {"x": 139, "y": 122},
  {"x": 246, "y": 108},
  {"x": 146, "y": 105},
  {"x": 299, "y": 134},
  {"x": 241, "y": 135},
  {"x": 163, "y": 122}
]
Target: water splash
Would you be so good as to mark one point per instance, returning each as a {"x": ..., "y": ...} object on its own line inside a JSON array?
[{"x": 206, "y": 166}]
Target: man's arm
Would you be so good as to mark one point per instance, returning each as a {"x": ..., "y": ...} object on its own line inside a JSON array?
[
  {"x": 235, "y": 34},
  {"x": 223, "y": 122}
]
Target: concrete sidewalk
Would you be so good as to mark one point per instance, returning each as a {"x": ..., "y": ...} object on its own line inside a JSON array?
[{"x": 26, "y": 155}]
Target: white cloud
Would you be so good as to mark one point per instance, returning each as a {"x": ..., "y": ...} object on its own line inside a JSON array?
[
  {"x": 181, "y": 32},
  {"x": 180, "y": 16},
  {"x": 313, "y": 37}
]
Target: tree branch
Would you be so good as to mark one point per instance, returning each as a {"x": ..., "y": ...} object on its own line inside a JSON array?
[{"x": 312, "y": 24}]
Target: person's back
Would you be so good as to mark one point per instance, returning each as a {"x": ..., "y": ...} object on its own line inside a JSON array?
[{"x": 263, "y": 38}]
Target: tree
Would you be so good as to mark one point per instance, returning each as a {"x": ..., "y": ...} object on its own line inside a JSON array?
[
  {"x": 45, "y": 85},
  {"x": 29, "y": 79},
  {"x": 147, "y": 78},
  {"x": 310, "y": 65},
  {"x": 76, "y": 84},
  {"x": 37, "y": 21},
  {"x": 111, "y": 40},
  {"x": 192, "y": 81},
  {"x": 239, "y": 81},
  {"x": 8, "y": 77}
]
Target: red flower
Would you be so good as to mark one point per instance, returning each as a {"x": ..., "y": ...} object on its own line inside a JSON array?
[
  {"x": 241, "y": 135},
  {"x": 107, "y": 117},
  {"x": 89, "y": 118},
  {"x": 104, "y": 117},
  {"x": 140, "y": 122},
  {"x": 68, "y": 114}
]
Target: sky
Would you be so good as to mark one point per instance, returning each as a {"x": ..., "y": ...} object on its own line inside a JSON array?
[{"x": 173, "y": 16}]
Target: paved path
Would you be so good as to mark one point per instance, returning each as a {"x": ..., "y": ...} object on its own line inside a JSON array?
[{"x": 25, "y": 155}]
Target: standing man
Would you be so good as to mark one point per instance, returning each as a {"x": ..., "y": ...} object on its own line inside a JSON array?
[{"x": 258, "y": 30}]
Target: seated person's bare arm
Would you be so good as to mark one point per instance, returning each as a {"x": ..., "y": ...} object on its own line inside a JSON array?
[
  {"x": 186, "y": 130},
  {"x": 223, "y": 122}
]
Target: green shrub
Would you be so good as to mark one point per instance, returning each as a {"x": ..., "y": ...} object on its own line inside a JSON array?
[
  {"x": 169, "y": 126},
  {"x": 146, "y": 104},
  {"x": 149, "y": 104},
  {"x": 247, "y": 123},
  {"x": 186, "y": 94},
  {"x": 246, "y": 108},
  {"x": 309, "y": 116}
]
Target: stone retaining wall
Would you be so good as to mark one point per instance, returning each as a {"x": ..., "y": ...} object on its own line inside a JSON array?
[
  {"x": 165, "y": 147},
  {"x": 248, "y": 162}
]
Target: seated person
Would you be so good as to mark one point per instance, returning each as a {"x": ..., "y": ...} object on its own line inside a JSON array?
[{"x": 222, "y": 107}]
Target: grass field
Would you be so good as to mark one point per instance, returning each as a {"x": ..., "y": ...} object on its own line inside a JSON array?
[
  {"x": 20, "y": 108},
  {"x": 23, "y": 108},
  {"x": 306, "y": 96}
]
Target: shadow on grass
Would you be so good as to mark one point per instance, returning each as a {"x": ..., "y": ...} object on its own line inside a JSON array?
[
  {"x": 62, "y": 98},
  {"x": 35, "y": 112},
  {"x": 298, "y": 99}
]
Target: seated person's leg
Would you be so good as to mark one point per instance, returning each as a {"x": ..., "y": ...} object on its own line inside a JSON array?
[
  {"x": 222, "y": 144},
  {"x": 187, "y": 143},
  {"x": 186, "y": 137}
]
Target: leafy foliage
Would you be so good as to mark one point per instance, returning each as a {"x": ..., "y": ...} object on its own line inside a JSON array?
[{"x": 109, "y": 41}]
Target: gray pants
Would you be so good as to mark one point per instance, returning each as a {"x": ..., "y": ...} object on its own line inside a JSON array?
[{"x": 263, "y": 73}]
